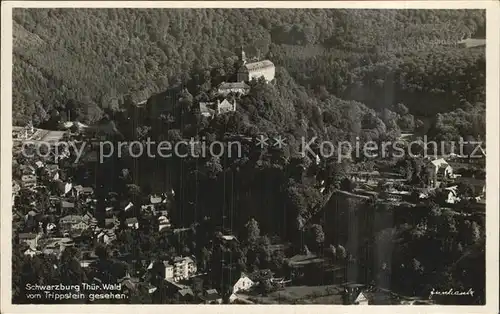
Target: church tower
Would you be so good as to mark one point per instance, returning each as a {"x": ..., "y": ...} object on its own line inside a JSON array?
[{"x": 243, "y": 58}]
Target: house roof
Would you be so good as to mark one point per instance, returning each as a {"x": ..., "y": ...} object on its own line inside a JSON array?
[
  {"x": 155, "y": 199},
  {"x": 66, "y": 204},
  {"x": 228, "y": 237},
  {"x": 299, "y": 260},
  {"x": 52, "y": 167},
  {"x": 108, "y": 221},
  {"x": 204, "y": 108},
  {"x": 186, "y": 291},
  {"x": 27, "y": 235},
  {"x": 258, "y": 65},
  {"x": 129, "y": 205},
  {"x": 211, "y": 295},
  {"x": 167, "y": 264},
  {"x": 233, "y": 85},
  {"x": 71, "y": 219},
  {"x": 226, "y": 103},
  {"x": 439, "y": 162},
  {"x": 361, "y": 298},
  {"x": 132, "y": 220}
]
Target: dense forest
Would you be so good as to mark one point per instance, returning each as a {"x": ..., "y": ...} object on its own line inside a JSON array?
[
  {"x": 78, "y": 61},
  {"x": 340, "y": 75}
]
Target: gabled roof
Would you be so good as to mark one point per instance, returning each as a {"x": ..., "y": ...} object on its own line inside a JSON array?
[
  {"x": 186, "y": 291},
  {"x": 439, "y": 162},
  {"x": 361, "y": 298},
  {"x": 226, "y": 103},
  {"x": 204, "y": 109},
  {"x": 258, "y": 65}
]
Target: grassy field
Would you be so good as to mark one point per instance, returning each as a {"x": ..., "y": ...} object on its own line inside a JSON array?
[{"x": 329, "y": 294}]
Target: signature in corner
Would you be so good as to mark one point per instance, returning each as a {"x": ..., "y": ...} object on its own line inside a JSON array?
[{"x": 451, "y": 292}]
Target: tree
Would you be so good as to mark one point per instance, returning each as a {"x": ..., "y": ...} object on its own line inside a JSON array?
[
  {"x": 475, "y": 233},
  {"x": 317, "y": 235},
  {"x": 401, "y": 109},
  {"x": 341, "y": 252},
  {"x": 333, "y": 251},
  {"x": 253, "y": 231}
]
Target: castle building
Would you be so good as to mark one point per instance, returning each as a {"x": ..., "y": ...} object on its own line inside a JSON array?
[
  {"x": 210, "y": 109},
  {"x": 254, "y": 70}
]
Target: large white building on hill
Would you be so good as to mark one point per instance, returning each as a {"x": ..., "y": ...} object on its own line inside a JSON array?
[{"x": 255, "y": 70}]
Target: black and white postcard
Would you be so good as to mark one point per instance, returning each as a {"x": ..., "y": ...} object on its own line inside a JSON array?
[{"x": 207, "y": 154}]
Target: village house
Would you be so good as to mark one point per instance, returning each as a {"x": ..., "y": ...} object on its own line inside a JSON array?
[
  {"x": 129, "y": 206},
  {"x": 55, "y": 246},
  {"x": 66, "y": 187},
  {"x": 452, "y": 196},
  {"x": 67, "y": 207},
  {"x": 226, "y": 88},
  {"x": 211, "y": 109},
  {"x": 149, "y": 209},
  {"x": 80, "y": 191},
  {"x": 353, "y": 295},
  {"x": 226, "y": 239},
  {"x": 360, "y": 294},
  {"x": 439, "y": 170},
  {"x": 77, "y": 222},
  {"x": 169, "y": 271},
  {"x": 155, "y": 199},
  {"x": 27, "y": 170},
  {"x": 180, "y": 268},
  {"x": 361, "y": 299},
  {"x": 132, "y": 223},
  {"x": 184, "y": 295},
  {"x": 84, "y": 263},
  {"x": 185, "y": 267},
  {"x": 244, "y": 283},
  {"x": 211, "y": 296},
  {"x": 28, "y": 181},
  {"x": 225, "y": 106},
  {"x": 163, "y": 222},
  {"x": 31, "y": 239},
  {"x": 105, "y": 236},
  {"x": 31, "y": 252},
  {"x": 111, "y": 223}
]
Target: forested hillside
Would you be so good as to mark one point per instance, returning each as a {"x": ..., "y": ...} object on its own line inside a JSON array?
[
  {"x": 341, "y": 75},
  {"x": 78, "y": 61}
]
